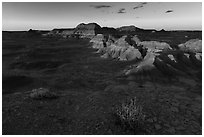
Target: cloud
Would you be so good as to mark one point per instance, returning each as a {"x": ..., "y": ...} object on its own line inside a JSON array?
[
  {"x": 100, "y": 6},
  {"x": 140, "y": 5},
  {"x": 143, "y": 3},
  {"x": 122, "y": 10},
  {"x": 169, "y": 11},
  {"x": 137, "y": 7}
]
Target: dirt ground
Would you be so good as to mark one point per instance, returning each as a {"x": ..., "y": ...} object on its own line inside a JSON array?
[{"x": 89, "y": 88}]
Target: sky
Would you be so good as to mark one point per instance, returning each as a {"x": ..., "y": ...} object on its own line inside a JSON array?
[{"x": 147, "y": 15}]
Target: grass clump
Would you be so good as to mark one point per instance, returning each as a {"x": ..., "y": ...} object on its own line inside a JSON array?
[
  {"x": 130, "y": 114},
  {"x": 43, "y": 93}
]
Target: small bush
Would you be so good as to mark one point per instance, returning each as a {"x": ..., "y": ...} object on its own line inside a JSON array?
[
  {"x": 42, "y": 93},
  {"x": 130, "y": 114}
]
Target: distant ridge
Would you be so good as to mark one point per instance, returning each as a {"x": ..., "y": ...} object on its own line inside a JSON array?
[
  {"x": 129, "y": 28},
  {"x": 89, "y": 30}
]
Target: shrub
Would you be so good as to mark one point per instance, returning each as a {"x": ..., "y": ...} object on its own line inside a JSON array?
[
  {"x": 42, "y": 93},
  {"x": 130, "y": 114}
]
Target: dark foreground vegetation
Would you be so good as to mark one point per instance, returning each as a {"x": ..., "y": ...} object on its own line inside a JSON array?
[{"x": 82, "y": 93}]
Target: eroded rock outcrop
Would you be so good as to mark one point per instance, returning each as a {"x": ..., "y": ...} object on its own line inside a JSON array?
[
  {"x": 126, "y": 47},
  {"x": 122, "y": 42},
  {"x": 130, "y": 54},
  {"x": 193, "y": 45},
  {"x": 98, "y": 41},
  {"x": 113, "y": 51},
  {"x": 154, "y": 46},
  {"x": 198, "y": 56},
  {"x": 154, "y": 59},
  {"x": 145, "y": 65},
  {"x": 90, "y": 29},
  {"x": 118, "y": 49},
  {"x": 167, "y": 65}
]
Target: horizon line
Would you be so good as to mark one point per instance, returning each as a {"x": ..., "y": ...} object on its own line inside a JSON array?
[{"x": 112, "y": 27}]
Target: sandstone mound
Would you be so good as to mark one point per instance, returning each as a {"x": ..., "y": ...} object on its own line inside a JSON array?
[
  {"x": 112, "y": 48},
  {"x": 122, "y": 41},
  {"x": 87, "y": 29},
  {"x": 130, "y": 28},
  {"x": 154, "y": 46},
  {"x": 110, "y": 40},
  {"x": 130, "y": 54},
  {"x": 89, "y": 26},
  {"x": 98, "y": 41},
  {"x": 193, "y": 45},
  {"x": 131, "y": 40},
  {"x": 145, "y": 65},
  {"x": 123, "y": 50},
  {"x": 114, "y": 51}
]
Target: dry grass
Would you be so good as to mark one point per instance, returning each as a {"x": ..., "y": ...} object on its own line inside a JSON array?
[
  {"x": 43, "y": 93},
  {"x": 130, "y": 114}
]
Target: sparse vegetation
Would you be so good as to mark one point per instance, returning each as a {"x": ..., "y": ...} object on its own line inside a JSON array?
[
  {"x": 41, "y": 93},
  {"x": 130, "y": 114}
]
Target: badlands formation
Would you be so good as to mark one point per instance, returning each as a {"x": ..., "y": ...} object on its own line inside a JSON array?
[
  {"x": 152, "y": 58},
  {"x": 151, "y": 55}
]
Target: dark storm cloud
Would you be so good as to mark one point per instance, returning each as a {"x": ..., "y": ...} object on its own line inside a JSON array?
[
  {"x": 100, "y": 6},
  {"x": 169, "y": 11},
  {"x": 140, "y": 5},
  {"x": 122, "y": 10}
]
